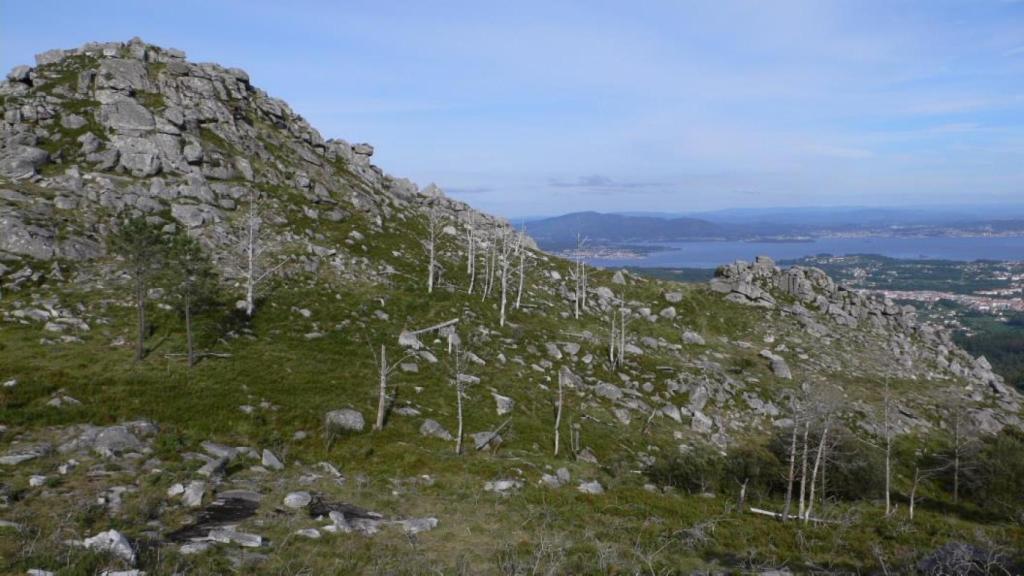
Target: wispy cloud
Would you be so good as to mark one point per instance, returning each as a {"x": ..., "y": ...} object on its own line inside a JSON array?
[{"x": 599, "y": 182}]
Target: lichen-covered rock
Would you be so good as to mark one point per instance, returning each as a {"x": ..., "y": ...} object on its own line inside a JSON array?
[{"x": 344, "y": 420}]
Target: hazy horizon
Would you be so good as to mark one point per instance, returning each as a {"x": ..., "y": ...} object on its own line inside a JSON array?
[{"x": 546, "y": 109}]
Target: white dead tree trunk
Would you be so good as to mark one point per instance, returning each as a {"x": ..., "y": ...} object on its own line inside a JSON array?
[
  {"x": 611, "y": 339},
  {"x": 623, "y": 312},
  {"x": 471, "y": 252},
  {"x": 434, "y": 225},
  {"x": 791, "y": 477},
  {"x": 383, "y": 370},
  {"x": 580, "y": 277},
  {"x": 558, "y": 412},
  {"x": 253, "y": 249},
  {"x": 818, "y": 463},
  {"x": 459, "y": 359},
  {"x": 521, "y": 244},
  {"x": 887, "y": 429},
  {"x": 508, "y": 249},
  {"x": 803, "y": 470}
]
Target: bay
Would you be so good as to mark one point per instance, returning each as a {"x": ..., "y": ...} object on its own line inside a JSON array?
[{"x": 714, "y": 254}]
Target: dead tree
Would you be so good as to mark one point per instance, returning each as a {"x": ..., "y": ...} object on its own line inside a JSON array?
[
  {"x": 580, "y": 274},
  {"x": 558, "y": 411},
  {"x": 612, "y": 336},
  {"x": 509, "y": 246},
  {"x": 435, "y": 224},
  {"x": 521, "y": 246},
  {"x": 887, "y": 430},
  {"x": 962, "y": 441},
  {"x": 623, "y": 320},
  {"x": 791, "y": 477},
  {"x": 383, "y": 370},
  {"x": 253, "y": 250},
  {"x": 818, "y": 464},
  {"x": 471, "y": 251},
  {"x": 491, "y": 261},
  {"x": 803, "y": 469},
  {"x": 459, "y": 359}
]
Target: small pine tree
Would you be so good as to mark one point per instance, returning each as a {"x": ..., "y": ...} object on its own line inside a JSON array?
[
  {"x": 192, "y": 281},
  {"x": 143, "y": 249}
]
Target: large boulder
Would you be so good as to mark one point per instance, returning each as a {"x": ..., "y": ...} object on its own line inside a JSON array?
[
  {"x": 140, "y": 156},
  {"x": 433, "y": 429},
  {"x": 344, "y": 420},
  {"x": 127, "y": 117},
  {"x": 19, "y": 162}
]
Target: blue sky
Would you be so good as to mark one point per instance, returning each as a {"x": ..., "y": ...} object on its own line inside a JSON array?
[{"x": 528, "y": 108}]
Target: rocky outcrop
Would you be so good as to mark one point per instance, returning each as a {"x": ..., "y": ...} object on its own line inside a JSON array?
[
  {"x": 130, "y": 128},
  {"x": 824, "y": 307}
]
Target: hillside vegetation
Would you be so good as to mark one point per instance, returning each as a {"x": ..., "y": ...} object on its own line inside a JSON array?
[{"x": 616, "y": 424}]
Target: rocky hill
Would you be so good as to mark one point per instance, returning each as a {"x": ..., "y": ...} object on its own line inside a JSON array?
[{"x": 575, "y": 403}]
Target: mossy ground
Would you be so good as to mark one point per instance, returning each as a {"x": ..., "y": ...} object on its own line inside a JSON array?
[{"x": 626, "y": 530}]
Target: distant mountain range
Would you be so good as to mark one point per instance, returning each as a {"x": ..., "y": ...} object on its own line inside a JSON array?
[{"x": 560, "y": 232}]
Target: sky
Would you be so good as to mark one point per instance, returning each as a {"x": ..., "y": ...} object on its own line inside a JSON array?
[{"x": 531, "y": 108}]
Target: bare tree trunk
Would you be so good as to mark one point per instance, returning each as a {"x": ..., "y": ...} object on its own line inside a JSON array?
[
  {"x": 622, "y": 336},
  {"x": 558, "y": 414},
  {"x": 888, "y": 454},
  {"x": 140, "y": 303},
  {"x": 803, "y": 470},
  {"x": 250, "y": 273},
  {"x": 583, "y": 266},
  {"x": 458, "y": 397},
  {"x": 188, "y": 330},
  {"x": 814, "y": 472},
  {"x": 382, "y": 396},
  {"x": 522, "y": 271},
  {"x": 611, "y": 340},
  {"x": 792, "y": 470},
  {"x": 913, "y": 491},
  {"x": 957, "y": 446},
  {"x": 471, "y": 256}
]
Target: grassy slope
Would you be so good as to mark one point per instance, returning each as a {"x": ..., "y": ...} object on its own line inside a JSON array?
[{"x": 624, "y": 530}]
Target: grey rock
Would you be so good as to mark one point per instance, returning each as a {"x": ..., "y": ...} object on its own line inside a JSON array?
[
  {"x": 701, "y": 423},
  {"x": 19, "y": 74},
  {"x": 116, "y": 440},
  {"x": 72, "y": 121},
  {"x": 19, "y": 454},
  {"x": 504, "y": 404},
  {"x": 311, "y": 533},
  {"x": 345, "y": 420},
  {"x": 112, "y": 542},
  {"x": 417, "y": 525},
  {"x": 298, "y": 499},
  {"x": 609, "y": 391},
  {"x": 228, "y": 536},
  {"x": 592, "y": 487},
  {"x": 139, "y": 156},
  {"x": 691, "y": 337},
  {"x": 193, "y": 494},
  {"x": 271, "y": 461},
  {"x": 503, "y": 486},
  {"x": 433, "y": 429},
  {"x": 19, "y": 162},
  {"x": 126, "y": 117},
  {"x": 673, "y": 297}
]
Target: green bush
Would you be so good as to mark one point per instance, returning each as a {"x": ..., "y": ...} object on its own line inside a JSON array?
[
  {"x": 699, "y": 469},
  {"x": 756, "y": 465},
  {"x": 856, "y": 471},
  {"x": 992, "y": 477}
]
